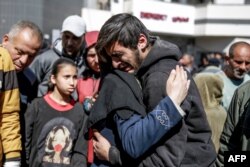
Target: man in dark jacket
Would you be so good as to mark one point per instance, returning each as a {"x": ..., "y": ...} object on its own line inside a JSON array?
[
  {"x": 127, "y": 42},
  {"x": 235, "y": 134}
]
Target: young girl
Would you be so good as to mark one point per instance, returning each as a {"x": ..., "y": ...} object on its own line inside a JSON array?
[{"x": 55, "y": 123}]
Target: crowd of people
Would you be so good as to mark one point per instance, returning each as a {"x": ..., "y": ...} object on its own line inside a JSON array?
[{"x": 118, "y": 97}]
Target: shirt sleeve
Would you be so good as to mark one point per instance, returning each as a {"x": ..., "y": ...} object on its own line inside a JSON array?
[{"x": 138, "y": 134}]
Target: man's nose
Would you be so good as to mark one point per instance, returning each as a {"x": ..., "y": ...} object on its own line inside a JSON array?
[
  {"x": 116, "y": 63},
  {"x": 96, "y": 59},
  {"x": 24, "y": 59},
  {"x": 243, "y": 66},
  {"x": 70, "y": 42},
  {"x": 71, "y": 81}
]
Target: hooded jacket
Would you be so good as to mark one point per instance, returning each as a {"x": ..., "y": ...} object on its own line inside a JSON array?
[
  {"x": 121, "y": 94},
  {"x": 210, "y": 87},
  {"x": 42, "y": 65},
  {"x": 189, "y": 142}
]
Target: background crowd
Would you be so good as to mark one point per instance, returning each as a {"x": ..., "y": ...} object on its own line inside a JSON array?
[{"x": 118, "y": 97}]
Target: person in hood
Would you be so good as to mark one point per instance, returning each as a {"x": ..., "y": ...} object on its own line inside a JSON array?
[
  {"x": 88, "y": 84},
  {"x": 127, "y": 43},
  {"x": 71, "y": 45},
  {"x": 210, "y": 87}
]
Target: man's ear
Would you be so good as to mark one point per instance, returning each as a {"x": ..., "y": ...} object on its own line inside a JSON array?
[
  {"x": 142, "y": 42},
  {"x": 5, "y": 40},
  {"x": 227, "y": 59}
]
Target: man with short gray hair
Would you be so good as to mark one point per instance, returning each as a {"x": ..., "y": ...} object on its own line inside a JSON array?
[
  {"x": 18, "y": 49},
  {"x": 236, "y": 71}
]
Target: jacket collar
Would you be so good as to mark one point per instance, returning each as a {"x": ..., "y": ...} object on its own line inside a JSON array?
[{"x": 160, "y": 50}]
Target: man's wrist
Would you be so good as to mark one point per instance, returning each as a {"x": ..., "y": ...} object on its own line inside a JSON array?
[{"x": 182, "y": 113}]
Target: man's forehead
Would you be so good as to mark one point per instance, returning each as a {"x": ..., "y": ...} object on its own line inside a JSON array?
[
  {"x": 109, "y": 48},
  {"x": 113, "y": 47},
  {"x": 68, "y": 33}
]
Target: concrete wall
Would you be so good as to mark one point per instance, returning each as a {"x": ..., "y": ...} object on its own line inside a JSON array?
[{"x": 12, "y": 10}]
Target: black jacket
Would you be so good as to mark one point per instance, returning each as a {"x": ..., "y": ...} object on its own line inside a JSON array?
[
  {"x": 189, "y": 143},
  {"x": 118, "y": 90},
  {"x": 120, "y": 94}
]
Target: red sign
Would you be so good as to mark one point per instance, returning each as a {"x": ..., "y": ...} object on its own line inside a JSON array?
[
  {"x": 180, "y": 19},
  {"x": 154, "y": 16}
]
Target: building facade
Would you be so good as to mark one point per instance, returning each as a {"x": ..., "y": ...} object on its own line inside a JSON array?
[
  {"x": 196, "y": 26},
  {"x": 13, "y": 10}
]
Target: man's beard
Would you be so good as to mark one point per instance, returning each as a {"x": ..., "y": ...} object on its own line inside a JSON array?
[
  {"x": 237, "y": 74},
  {"x": 70, "y": 55}
]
